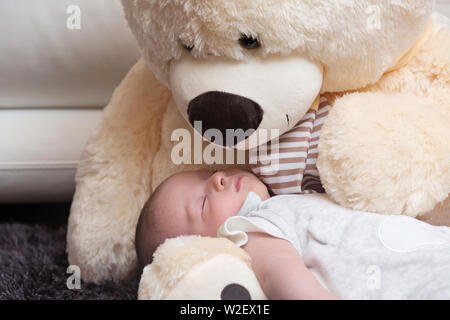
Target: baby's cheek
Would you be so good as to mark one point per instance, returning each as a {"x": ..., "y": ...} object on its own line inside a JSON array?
[
  {"x": 218, "y": 218},
  {"x": 223, "y": 209},
  {"x": 260, "y": 189},
  {"x": 212, "y": 227}
]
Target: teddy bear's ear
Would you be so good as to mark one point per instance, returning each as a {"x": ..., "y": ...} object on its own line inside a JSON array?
[
  {"x": 199, "y": 268},
  {"x": 156, "y": 47}
]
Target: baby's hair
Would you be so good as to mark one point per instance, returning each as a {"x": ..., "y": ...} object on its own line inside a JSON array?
[{"x": 145, "y": 247}]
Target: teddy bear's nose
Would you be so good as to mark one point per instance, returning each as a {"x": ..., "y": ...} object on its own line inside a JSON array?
[{"x": 222, "y": 111}]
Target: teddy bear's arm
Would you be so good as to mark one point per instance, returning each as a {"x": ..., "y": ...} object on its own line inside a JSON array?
[
  {"x": 386, "y": 153},
  {"x": 113, "y": 178},
  {"x": 387, "y": 150}
]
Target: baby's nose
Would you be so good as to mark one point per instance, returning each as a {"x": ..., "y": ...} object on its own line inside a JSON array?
[{"x": 219, "y": 181}]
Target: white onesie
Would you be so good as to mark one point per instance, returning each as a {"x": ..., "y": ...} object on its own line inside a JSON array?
[{"x": 355, "y": 255}]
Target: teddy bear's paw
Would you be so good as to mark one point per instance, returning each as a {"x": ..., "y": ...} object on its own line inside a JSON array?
[
  {"x": 386, "y": 153},
  {"x": 198, "y": 268},
  {"x": 100, "y": 246}
]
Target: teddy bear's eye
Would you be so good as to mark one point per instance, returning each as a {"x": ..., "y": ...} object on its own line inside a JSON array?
[
  {"x": 188, "y": 48},
  {"x": 249, "y": 42}
]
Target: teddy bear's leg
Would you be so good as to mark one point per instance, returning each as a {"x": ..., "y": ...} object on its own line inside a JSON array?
[
  {"x": 386, "y": 153},
  {"x": 113, "y": 179}
]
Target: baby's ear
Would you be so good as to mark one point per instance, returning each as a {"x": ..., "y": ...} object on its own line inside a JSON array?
[{"x": 199, "y": 268}]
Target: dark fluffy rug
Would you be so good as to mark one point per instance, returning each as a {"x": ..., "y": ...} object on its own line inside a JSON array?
[{"x": 33, "y": 262}]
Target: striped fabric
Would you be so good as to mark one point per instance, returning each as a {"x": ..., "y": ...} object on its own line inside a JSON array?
[{"x": 288, "y": 165}]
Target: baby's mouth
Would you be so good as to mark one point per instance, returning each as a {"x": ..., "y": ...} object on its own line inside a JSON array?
[{"x": 238, "y": 183}]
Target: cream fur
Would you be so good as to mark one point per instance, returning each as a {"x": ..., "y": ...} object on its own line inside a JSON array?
[
  {"x": 427, "y": 74},
  {"x": 129, "y": 153},
  {"x": 398, "y": 141}
]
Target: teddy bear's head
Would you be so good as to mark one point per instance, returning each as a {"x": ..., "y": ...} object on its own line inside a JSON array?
[{"x": 260, "y": 64}]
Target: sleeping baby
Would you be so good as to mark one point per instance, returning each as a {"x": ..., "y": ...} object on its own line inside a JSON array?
[{"x": 301, "y": 246}]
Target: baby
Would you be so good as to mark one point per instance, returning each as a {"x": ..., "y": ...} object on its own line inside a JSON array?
[{"x": 301, "y": 246}]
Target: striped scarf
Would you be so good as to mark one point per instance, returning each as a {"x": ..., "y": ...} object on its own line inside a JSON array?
[{"x": 295, "y": 154}]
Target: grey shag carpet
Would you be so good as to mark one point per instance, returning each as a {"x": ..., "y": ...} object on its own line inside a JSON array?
[{"x": 33, "y": 262}]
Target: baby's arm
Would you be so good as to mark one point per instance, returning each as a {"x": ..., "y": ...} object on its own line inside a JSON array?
[{"x": 281, "y": 271}]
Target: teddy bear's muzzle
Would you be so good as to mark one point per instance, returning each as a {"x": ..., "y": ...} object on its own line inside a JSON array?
[{"x": 222, "y": 111}]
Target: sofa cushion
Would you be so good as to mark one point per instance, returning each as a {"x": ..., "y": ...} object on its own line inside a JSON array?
[
  {"x": 44, "y": 63},
  {"x": 443, "y": 6},
  {"x": 40, "y": 150}
]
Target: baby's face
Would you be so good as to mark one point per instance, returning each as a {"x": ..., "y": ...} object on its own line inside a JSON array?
[{"x": 199, "y": 202}]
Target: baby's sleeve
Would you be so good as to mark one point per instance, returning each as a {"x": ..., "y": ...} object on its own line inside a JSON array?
[{"x": 237, "y": 227}]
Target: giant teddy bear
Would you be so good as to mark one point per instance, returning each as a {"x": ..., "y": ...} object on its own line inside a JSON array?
[{"x": 384, "y": 66}]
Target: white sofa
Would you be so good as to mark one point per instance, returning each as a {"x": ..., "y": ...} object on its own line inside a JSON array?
[{"x": 54, "y": 83}]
